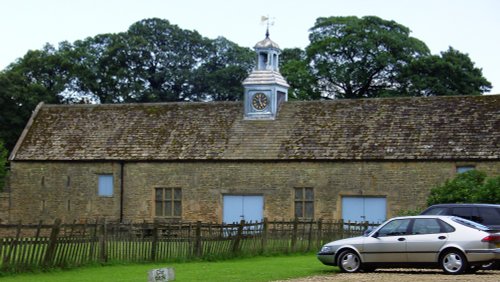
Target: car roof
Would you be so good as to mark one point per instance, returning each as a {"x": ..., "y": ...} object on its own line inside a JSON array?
[
  {"x": 423, "y": 216},
  {"x": 465, "y": 205},
  {"x": 443, "y": 217}
]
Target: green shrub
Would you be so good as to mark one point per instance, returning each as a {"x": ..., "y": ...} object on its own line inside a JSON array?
[
  {"x": 469, "y": 187},
  {"x": 408, "y": 212}
]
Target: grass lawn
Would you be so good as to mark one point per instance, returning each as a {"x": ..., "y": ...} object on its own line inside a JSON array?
[{"x": 243, "y": 269}]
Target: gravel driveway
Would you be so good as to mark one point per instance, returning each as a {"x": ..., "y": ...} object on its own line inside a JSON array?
[{"x": 404, "y": 275}]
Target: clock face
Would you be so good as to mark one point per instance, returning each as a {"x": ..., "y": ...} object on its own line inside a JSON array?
[{"x": 260, "y": 101}]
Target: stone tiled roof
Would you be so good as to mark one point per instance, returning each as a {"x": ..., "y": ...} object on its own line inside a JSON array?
[
  {"x": 437, "y": 128},
  {"x": 265, "y": 77}
]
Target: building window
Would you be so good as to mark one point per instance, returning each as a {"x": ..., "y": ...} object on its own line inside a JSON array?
[
  {"x": 168, "y": 202},
  {"x": 105, "y": 188},
  {"x": 304, "y": 203},
  {"x": 465, "y": 168}
]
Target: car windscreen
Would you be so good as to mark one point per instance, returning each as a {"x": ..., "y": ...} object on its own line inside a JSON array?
[{"x": 469, "y": 223}]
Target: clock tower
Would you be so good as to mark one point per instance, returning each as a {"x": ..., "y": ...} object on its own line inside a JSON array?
[{"x": 265, "y": 87}]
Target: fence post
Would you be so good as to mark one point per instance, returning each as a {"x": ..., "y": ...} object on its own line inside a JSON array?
[
  {"x": 237, "y": 239},
  {"x": 341, "y": 227},
  {"x": 320, "y": 233},
  {"x": 51, "y": 248},
  {"x": 36, "y": 258},
  {"x": 310, "y": 235},
  {"x": 93, "y": 236},
  {"x": 38, "y": 228},
  {"x": 197, "y": 243},
  {"x": 84, "y": 229},
  {"x": 154, "y": 240},
  {"x": 294, "y": 233},
  {"x": 265, "y": 228},
  {"x": 102, "y": 241},
  {"x": 12, "y": 247}
]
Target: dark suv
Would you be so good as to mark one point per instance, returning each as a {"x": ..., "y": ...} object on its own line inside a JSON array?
[{"x": 486, "y": 214}]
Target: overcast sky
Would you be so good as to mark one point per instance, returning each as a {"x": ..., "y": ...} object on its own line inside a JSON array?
[{"x": 470, "y": 26}]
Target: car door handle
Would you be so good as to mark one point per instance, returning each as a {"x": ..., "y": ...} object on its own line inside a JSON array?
[
  {"x": 401, "y": 239},
  {"x": 442, "y": 237}
]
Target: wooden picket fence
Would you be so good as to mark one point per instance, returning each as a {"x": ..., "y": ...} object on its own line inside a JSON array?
[{"x": 24, "y": 247}]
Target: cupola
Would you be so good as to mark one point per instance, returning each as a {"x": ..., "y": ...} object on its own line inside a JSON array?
[{"x": 265, "y": 88}]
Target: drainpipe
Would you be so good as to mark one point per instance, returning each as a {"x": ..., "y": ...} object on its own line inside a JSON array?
[{"x": 122, "y": 164}]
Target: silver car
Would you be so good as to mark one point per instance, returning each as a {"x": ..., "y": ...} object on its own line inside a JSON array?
[{"x": 455, "y": 244}]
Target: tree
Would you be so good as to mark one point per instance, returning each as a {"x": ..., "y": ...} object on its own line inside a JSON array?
[
  {"x": 3, "y": 165},
  {"x": 360, "y": 57},
  {"x": 38, "y": 76},
  {"x": 469, "y": 187},
  {"x": 162, "y": 57},
  {"x": 452, "y": 73},
  {"x": 98, "y": 72},
  {"x": 151, "y": 62},
  {"x": 155, "y": 61},
  {"x": 294, "y": 66},
  {"x": 220, "y": 76}
]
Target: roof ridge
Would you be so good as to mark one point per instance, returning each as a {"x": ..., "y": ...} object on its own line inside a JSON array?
[{"x": 182, "y": 103}]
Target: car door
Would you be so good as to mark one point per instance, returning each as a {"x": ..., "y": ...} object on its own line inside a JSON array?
[
  {"x": 388, "y": 244},
  {"x": 427, "y": 236}
]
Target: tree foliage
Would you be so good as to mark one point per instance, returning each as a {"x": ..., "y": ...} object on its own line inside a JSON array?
[
  {"x": 3, "y": 165},
  {"x": 38, "y": 76},
  {"x": 350, "y": 57},
  {"x": 452, "y": 73},
  {"x": 468, "y": 187},
  {"x": 155, "y": 61},
  {"x": 294, "y": 67},
  {"x": 219, "y": 77},
  {"x": 360, "y": 57}
]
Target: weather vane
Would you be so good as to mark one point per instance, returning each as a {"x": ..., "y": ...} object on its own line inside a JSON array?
[{"x": 268, "y": 21}]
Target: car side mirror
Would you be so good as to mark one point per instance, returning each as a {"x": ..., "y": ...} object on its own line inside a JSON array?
[{"x": 375, "y": 235}]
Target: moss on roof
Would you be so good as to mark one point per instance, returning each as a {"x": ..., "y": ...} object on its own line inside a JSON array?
[{"x": 435, "y": 128}]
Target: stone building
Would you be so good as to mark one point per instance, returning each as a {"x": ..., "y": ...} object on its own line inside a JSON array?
[{"x": 361, "y": 159}]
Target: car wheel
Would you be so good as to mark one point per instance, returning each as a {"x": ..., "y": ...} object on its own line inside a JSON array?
[
  {"x": 349, "y": 261},
  {"x": 453, "y": 262}
]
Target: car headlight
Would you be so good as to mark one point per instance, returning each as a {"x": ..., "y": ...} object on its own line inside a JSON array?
[{"x": 326, "y": 249}]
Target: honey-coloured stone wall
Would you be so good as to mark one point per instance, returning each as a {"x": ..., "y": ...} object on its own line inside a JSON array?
[{"x": 68, "y": 190}]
